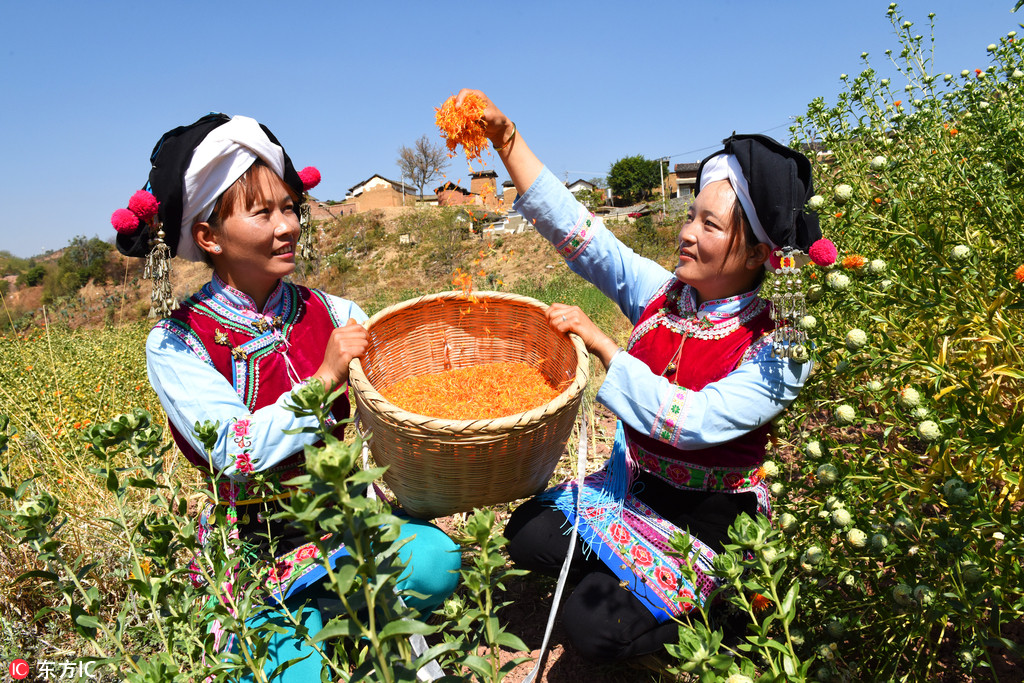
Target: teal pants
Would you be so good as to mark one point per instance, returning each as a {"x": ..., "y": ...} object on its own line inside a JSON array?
[{"x": 432, "y": 565}]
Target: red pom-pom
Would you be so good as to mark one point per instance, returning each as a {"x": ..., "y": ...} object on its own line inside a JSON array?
[
  {"x": 144, "y": 205},
  {"x": 124, "y": 221},
  {"x": 310, "y": 178},
  {"x": 823, "y": 252}
]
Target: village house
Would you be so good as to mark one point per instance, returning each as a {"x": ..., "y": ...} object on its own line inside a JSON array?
[{"x": 376, "y": 192}]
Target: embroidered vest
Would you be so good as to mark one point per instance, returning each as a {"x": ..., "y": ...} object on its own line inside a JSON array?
[
  {"x": 711, "y": 349},
  {"x": 249, "y": 351}
]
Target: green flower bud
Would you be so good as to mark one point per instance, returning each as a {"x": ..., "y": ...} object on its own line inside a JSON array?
[
  {"x": 1017, "y": 74},
  {"x": 972, "y": 573},
  {"x": 827, "y": 654},
  {"x": 878, "y": 163},
  {"x": 928, "y": 431},
  {"x": 814, "y": 293},
  {"x": 958, "y": 496},
  {"x": 777, "y": 488},
  {"x": 726, "y": 567},
  {"x": 837, "y": 281},
  {"x": 827, "y": 474},
  {"x": 807, "y": 323},
  {"x": 812, "y": 555},
  {"x": 835, "y": 628},
  {"x": 879, "y": 542},
  {"x": 787, "y": 521},
  {"x": 902, "y": 594},
  {"x": 874, "y": 386},
  {"x": 856, "y": 339},
  {"x": 841, "y": 518},
  {"x": 884, "y": 82},
  {"x": 902, "y": 524},
  {"x": 992, "y": 47},
  {"x": 876, "y": 266},
  {"x": 797, "y": 636},
  {"x": 919, "y": 413},
  {"x": 738, "y": 678},
  {"x": 884, "y": 285},
  {"x": 813, "y": 449},
  {"x": 965, "y": 73},
  {"x": 960, "y": 252},
  {"x": 815, "y": 202},
  {"x": 845, "y": 414},
  {"x": 333, "y": 462},
  {"x": 769, "y": 553},
  {"x": 909, "y": 397},
  {"x": 856, "y": 538},
  {"x": 952, "y": 483},
  {"x": 842, "y": 194},
  {"x": 924, "y": 595}
]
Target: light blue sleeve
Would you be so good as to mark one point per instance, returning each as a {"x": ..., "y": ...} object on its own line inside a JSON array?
[
  {"x": 748, "y": 397},
  {"x": 589, "y": 248}
]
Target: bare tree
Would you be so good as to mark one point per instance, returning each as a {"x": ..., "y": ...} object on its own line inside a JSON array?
[{"x": 423, "y": 162}]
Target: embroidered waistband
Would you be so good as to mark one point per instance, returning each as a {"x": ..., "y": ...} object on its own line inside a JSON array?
[{"x": 687, "y": 475}]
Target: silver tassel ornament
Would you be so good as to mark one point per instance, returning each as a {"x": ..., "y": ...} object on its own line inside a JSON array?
[
  {"x": 788, "y": 307},
  {"x": 307, "y": 240},
  {"x": 158, "y": 269}
]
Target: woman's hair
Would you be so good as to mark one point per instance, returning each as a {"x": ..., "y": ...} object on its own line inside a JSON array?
[
  {"x": 243, "y": 194},
  {"x": 742, "y": 236}
]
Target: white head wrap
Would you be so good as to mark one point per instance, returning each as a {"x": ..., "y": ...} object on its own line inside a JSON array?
[
  {"x": 217, "y": 162},
  {"x": 727, "y": 167}
]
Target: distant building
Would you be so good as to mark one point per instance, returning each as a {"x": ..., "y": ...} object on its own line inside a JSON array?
[{"x": 377, "y": 192}]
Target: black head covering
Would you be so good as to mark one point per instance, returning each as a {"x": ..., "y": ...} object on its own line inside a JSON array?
[
  {"x": 780, "y": 183},
  {"x": 170, "y": 159}
]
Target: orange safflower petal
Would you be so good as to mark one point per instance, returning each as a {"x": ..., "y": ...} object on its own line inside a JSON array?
[{"x": 760, "y": 603}]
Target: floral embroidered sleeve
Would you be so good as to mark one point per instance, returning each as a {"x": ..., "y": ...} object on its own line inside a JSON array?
[
  {"x": 749, "y": 396},
  {"x": 589, "y": 248},
  {"x": 191, "y": 390}
]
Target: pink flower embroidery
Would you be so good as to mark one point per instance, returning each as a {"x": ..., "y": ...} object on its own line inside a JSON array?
[
  {"x": 590, "y": 513},
  {"x": 306, "y": 552},
  {"x": 241, "y": 427},
  {"x": 685, "y": 600},
  {"x": 666, "y": 579},
  {"x": 642, "y": 556},
  {"x": 650, "y": 463},
  {"x": 280, "y": 572},
  {"x": 620, "y": 534},
  {"x": 679, "y": 474},
  {"x": 243, "y": 463},
  {"x": 732, "y": 480}
]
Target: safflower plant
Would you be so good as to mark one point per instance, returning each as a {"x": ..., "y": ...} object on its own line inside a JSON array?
[{"x": 897, "y": 540}]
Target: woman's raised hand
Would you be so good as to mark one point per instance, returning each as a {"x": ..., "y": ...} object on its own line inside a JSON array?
[
  {"x": 522, "y": 165},
  {"x": 566, "y": 318},
  {"x": 344, "y": 344}
]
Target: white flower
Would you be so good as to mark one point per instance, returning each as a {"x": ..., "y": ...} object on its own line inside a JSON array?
[
  {"x": 856, "y": 339},
  {"x": 885, "y": 284},
  {"x": 960, "y": 252},
  {"x": 842, "y": 194},
  {"x": 856, "y": 538},
  {"x": 884, "y": 82},
  {"x": 874, "y": 386},
  {"x": 777, "y": 488},
  {"x": 928, "y": 431},
  {"x": 837, "y": 281},
  {"x": 965, "y": 73},
  {"x": 845, "y": 414},
  {"x": 1017, "y": 74},
  {"x": 992, "y": 47},
  {"x": 909, "y": 397},
  {"x": 876, "y": 266},
  {"x": 770, "y": 469},
  {"x": 998, "y": 535},
  {"x": 841, "y": 518},
  {"x": 738, "y": 678},
  {"x": 815, "y": 202},
  {"x": 919, "y": 413},
  {"x": 807, "y": 323},
  {"x": 878, "y": 163},
  {"x": 813, "y": 449}
]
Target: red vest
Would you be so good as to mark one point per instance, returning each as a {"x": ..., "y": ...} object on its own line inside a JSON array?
[
  {"x": 715, "y": 351},
  {"x": 250, "y": 352}
]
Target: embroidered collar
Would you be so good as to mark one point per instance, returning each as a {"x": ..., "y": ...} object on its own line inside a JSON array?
[
  {"x": 714, "y": 311},
  {"x": 242, "y": 302}
]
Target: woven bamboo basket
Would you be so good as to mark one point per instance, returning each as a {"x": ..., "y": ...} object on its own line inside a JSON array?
[{"x": 438, "y": 467}]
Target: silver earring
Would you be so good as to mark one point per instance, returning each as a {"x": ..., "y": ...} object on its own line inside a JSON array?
[{"x": 216, "y": 249}]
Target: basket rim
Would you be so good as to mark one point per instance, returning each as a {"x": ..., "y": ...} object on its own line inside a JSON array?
[{"x": 360, "y": 384}]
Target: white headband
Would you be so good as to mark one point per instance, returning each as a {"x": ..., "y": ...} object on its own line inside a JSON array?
[
  {"x": 217, "y": 162},
  {"x": 727, "y": 167}
]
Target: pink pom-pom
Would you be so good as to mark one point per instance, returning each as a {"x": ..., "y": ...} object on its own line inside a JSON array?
[
  {"x": 823, "y": 252},
  {"x": 124, "y": 221},
  {"x": 144, "y": 205},
  {"x": 310, "y": 178}
]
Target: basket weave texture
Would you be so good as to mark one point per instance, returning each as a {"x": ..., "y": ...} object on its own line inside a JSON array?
[{"x": 438, "y": 467}]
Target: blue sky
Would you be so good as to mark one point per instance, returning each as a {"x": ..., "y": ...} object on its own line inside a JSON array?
[{"x": 88, "y": 87}]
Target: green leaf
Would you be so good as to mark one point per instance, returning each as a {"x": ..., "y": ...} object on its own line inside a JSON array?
[
  {"x": 112, "y": 484},
  {"x": 339, "y": 627}
]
